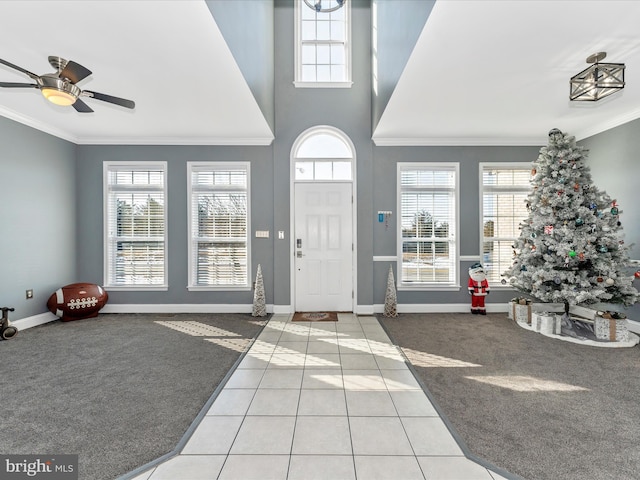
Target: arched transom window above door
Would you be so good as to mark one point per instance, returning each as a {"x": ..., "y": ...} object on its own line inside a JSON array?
[{"x": 323, "y": 154}]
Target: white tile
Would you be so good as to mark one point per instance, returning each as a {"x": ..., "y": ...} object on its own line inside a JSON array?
[
  {"x": 363, "y": 380},
  {"x": 379, "y": 436},
  {"x": 322, "y": 360},
  {"x": 322, "y": 327},
  {"x": 321, "y": 467},
  {"x": 256, "y": 361},
  {"x": 358, "y": 361},
  {"x": 389, "y": 468},
  {"x": 322, "y": 346},
  {"x": 453, "y": 468},
  {"x": 347, "y": 318},
  {"x": 291, "y": 347},
  {"x": 271, "y": 336},
  {"x": 369, "y": 404},
  {"x": 213, "y": 436},
  {"x": 275, "y": 402},
  {"x": 232, "y": 401},
  {"x": 322, "y": 402},
  {"x": 260, "y": 346},
  {"x": 413, "y": 403},
  {"x": 351, "y": 327},
  {"x": 322, "y": 436},
  {"x": 327, "y": 378},
  {"x": 282, "y": 378},
  {"x": 245, "y": 379},
  {"x": 255, "y": 467},
  {"x": 389, "y": 361},
  {"x": 287, "y": 360},
  {"x": 264, "y": 436},
  {"x": 368, "y": 320},
  {"x": 296, "y": 336},
  {"x": 430, "y": 436},
  {"x": 400, "y": 380},
  {"x": 353, "y": 345},
  {"x": 193, "y": 467}
]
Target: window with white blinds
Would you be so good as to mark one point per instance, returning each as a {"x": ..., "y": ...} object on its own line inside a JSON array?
[
  {"x": 504, "y": 188},
  {"x": 219, "y": 225},
  {"x": 322, "y": 45},
  {"x": 428, "y": 206},
  {"x": 135, "y": 225}
]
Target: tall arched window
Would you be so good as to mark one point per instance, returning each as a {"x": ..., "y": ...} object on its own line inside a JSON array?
[{"x": 323, "y": 153}]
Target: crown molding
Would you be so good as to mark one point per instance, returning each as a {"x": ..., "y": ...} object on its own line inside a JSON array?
[
  {"x": 459, "y": 142},
  {"x": 30, "y": 122}
]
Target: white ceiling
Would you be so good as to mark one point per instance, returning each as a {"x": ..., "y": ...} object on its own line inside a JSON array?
[
  {"x": 497, "y": 72},
  {"x": 482, "y": 73},
  {"x": 167, "y": 56}
]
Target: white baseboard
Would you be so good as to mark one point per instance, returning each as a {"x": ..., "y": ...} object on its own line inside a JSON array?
[
  {"x": 181, "y": 308},
  {"x": 282, "y": 309},
  {"x": 34, "y": 321},
  {"x": 441, "y": 308}
]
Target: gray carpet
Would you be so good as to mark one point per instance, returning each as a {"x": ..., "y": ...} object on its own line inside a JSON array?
[
  {"x": 119, "y": 390},
  {"x": 549, "y": 432}
]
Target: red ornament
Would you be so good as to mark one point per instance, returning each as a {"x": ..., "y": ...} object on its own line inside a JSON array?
[{"x": 637, "y": 274}]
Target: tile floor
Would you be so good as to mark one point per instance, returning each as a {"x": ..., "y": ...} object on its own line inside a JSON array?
[{"x": 321, "y": 400}]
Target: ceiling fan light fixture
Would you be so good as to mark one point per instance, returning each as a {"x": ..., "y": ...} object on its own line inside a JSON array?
[
  {"x": 58, "y": 91},
  {"x": 598, "y": 80},
  {"x": 59, "y": 97}
]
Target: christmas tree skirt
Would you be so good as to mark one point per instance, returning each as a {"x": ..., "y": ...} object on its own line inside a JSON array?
[{"x": 583, "y": 327}]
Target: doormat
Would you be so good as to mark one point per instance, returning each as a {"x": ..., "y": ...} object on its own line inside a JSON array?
[{"x": 315, "y": 317}]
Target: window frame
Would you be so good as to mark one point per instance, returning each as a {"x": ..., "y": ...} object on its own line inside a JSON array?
[
  {"x": 298, "y": 82},
  {"x": 453, "y": 238},
  {"x": 482, "y": 167},
  {"x": 192, "y": 239},
  {"x": 110, "y": 241}
]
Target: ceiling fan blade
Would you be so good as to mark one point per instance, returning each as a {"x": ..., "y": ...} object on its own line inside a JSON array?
[
  {"x": 81, "y": 107},
  {"x": 74, "y": 72},
  {"x": 20, "y": 69},
  {"x": 18, "y": 85},
  {"x": 109, "y": 98}
]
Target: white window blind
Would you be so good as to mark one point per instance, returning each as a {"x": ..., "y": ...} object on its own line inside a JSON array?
[
  {"x": 322, "y": 45},
  {"x": 504, "y": 192},
  {"x": 219, "y": 225},
  {"x": 428, "y": 222},
  {"x": 135, "y": 224}
]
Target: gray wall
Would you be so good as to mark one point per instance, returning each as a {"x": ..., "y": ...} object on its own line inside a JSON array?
[
  {"x": 385, "y": 188},
  {"x": 247, "y": 27},
  {"x": 399, "y": 23},
  {"x": 613, "y": 160},
  {"x": 37, "y": 217},
  {"x": 90, "y": 212},
  {"x": 348, "y": 109}
]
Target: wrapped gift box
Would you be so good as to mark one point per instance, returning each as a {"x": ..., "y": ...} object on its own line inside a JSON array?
[
  {"x": 611, "y": 329},
  {"x": 522, "y": 311}
]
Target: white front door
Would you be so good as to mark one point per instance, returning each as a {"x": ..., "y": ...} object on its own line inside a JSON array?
[{"x": 323, "y": 250}]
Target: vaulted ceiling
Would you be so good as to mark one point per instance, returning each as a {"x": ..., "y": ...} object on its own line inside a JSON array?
[{"x": 481, "y": 73}]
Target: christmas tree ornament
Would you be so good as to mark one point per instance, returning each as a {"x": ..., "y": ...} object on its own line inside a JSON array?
[
  {"x": 637, "y": 274},
  {"x": 606, "y": 229},
  {"x": 534, "y": 234},
  {"x": 581, "y": 256},
  {"x": 504, "y": 280},
  {"x": 533, "y": 172},
  {"x": 576, "y": 187},
  {"x": 548, "y": 229},
  {"x": 592, "y": 206},
  {"x": 579, "y": 222},
  {"x": 572, "y": 253},
  {"x": 609, "y": 282},
  {"x": 600, "y": 279},
  {"x": 557, "y": 280},
  {"x": 602, "y": 249},
  {"x": 614, "y": 210}
]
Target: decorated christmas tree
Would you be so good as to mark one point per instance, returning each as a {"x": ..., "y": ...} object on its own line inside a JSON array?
[{"x": 570, "y": 248}]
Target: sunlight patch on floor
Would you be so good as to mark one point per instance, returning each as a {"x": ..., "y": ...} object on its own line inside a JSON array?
[
  {"x": 527, "y": 384},
  {"x": 428, "y": 360},
  {"x": 197, "y": 329},
  {"x": 237, "y": 344}
]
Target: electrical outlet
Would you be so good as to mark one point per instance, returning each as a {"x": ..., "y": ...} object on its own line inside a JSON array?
[{"x": 29, "y": 294}]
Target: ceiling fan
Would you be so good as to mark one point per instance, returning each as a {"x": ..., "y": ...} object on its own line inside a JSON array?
[{"x": 60, "y": 86}]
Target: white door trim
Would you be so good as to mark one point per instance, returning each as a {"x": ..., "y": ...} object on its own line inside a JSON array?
[{"x": 354, "y": 212}]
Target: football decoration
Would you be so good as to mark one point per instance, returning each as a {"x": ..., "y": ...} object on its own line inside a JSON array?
[{"x": 77, "y": 301}]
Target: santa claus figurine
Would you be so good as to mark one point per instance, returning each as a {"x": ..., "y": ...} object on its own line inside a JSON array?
[{"x": 478, "y": 288}]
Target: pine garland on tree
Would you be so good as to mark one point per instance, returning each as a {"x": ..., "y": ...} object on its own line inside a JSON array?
[{"x": 570, "y": 248}]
